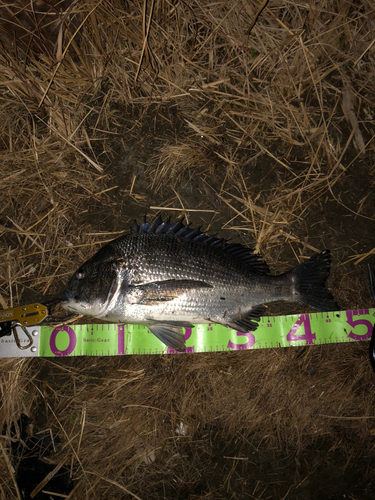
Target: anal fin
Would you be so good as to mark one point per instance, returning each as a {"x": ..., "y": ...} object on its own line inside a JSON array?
[{"x": 246, "y": 322}]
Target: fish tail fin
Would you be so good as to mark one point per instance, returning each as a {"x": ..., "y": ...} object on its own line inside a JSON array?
[{"x": 310, "y": 279}]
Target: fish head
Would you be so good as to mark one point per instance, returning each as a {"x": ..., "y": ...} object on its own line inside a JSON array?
[{"x": 93, "y": 286}]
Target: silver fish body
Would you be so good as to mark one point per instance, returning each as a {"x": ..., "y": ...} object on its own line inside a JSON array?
[{"x": 168, "y": 276}]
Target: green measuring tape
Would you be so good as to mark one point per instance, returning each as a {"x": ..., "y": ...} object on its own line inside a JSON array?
[{"x": 272, "y": 332}]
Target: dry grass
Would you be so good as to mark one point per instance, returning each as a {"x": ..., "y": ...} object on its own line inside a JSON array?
[
  {"x": 118, "y": 418},
  {"x": 176, "y": 160},
  {"x": 268, "y": 121}
]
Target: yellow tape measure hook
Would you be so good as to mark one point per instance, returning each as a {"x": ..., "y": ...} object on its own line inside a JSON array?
[
  {"x": 22, "y": 317},
  {"x": 17, "y": 339},
  {"x": 26, "y": 316}
]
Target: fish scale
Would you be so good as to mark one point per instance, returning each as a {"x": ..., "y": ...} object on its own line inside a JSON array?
[{"x": 169, "y": 276}]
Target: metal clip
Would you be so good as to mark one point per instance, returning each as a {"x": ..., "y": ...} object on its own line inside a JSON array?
[
  {"x": 17, "y": 339},
  {"x": 25, "y": 316}
]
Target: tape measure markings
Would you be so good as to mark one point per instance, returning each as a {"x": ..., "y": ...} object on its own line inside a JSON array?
[
  {"x": 298, "y": 333},
  {"x": 272, "y": 332}
]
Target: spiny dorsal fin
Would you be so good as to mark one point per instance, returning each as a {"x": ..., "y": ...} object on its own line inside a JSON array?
[{"x": 182, "y": 231}]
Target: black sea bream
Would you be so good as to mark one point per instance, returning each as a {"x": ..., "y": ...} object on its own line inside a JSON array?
[{"x": 169, "y": 276}]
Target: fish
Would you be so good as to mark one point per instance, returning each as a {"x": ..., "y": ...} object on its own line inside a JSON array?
[{"x": 169, "y": 276}]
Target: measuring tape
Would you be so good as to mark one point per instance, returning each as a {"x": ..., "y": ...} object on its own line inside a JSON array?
[{"x": 116, "y": 339}]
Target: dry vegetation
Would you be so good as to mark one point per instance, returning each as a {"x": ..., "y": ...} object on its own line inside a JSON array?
[{"x": 260, "y": 116}]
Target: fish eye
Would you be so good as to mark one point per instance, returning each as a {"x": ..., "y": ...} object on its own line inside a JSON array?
[{"x": 80, "y": 274}]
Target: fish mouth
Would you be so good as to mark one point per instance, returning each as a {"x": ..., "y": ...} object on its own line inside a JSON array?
[
  {"x": 91, "y": 305},
  {"x": 67, "y": 304},
  {"x": 66, "y": 296},
  {"x": 96, "y": 309},
  {"x": 70, "y": 303}
]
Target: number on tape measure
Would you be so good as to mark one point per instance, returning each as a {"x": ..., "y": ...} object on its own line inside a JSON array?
[
  {"x": 72, "y": 341},
  {"x": 120, "y": 339},
  {"x": 239, "y": 347},
  {"x": 303, "y": 322},
  {"x": 356, "y": 322}
]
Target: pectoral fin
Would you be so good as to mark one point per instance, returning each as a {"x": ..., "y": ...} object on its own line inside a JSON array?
[
  {"x": 171, "y": 334},
  {"x": 165, "y": 291}
]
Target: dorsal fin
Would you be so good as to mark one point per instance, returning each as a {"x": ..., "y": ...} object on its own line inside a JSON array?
[
  {"x": 246, "y": 256},
  {"x": 182, "y": 231}
]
